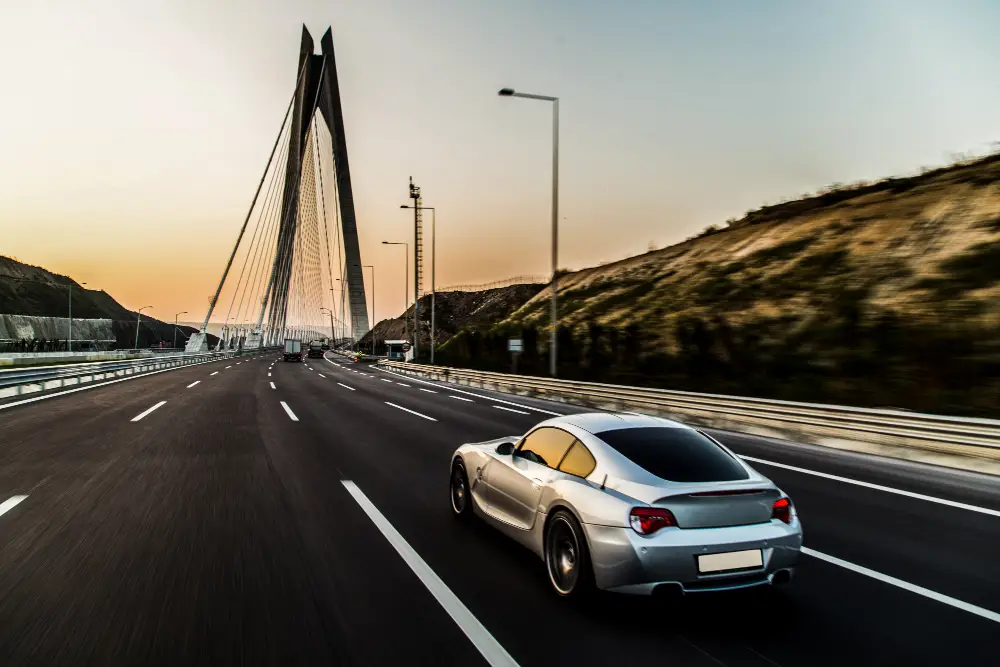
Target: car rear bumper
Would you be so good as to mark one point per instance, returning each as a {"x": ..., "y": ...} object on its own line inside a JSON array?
[{"x": 627, "y": 562}]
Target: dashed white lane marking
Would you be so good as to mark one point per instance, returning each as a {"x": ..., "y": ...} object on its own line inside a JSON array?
[
  {"x": 402, "y": 385},
  {"x": 878, "y": 487},
  {"x": 469, "y": 393},
  {"x": 288, "y": 411},
  {"x": 321, "y": 375},
  {"x": 459, "y": 398},
  {"x": 194, "y": 383},
  {"x": 228, "y": 367},
  {"x": 238, "y": 363},
  {"x": 10, "y": 504},
  {"x": 429, "y": 391},
  {"x": 146, "y": 412},
  {"x": 385, "y": 380},
  {"x": 905, "y": 585},
  {"x": 268, "y": 375},
  {"x": 400, "y": 407},
  {"x": 215, "y": 373},
  {"x": 520, "y": 412},
  {"x": 485, "y": 643},
  {"x": 95, "y": 385},
  {"x": 345, "y": 386},
  {"x": 272, "y": 386}
]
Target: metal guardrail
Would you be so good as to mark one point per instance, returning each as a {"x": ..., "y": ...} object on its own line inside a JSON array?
[
  {"x": 960, "y": 436},
  {"x": 17, "y": 381}
]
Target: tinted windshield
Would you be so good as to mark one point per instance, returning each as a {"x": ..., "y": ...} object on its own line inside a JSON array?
[{"x": 675, "y": 454}]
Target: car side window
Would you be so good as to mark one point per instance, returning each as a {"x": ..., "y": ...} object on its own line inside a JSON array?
[
  {"x": 578, "y": 461},
  {"x": 545, "y": 446}
]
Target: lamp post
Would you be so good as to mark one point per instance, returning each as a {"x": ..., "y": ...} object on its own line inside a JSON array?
[
  {"x": 372, "y": 267},
  {"x": 183, "y": 312},
  {"x": 433, "y": 265},
  {"x": 510, "y": 92},
  {"x": 333, "y": 333},
  {"x": 138, "y": 318},
  {"x": 69, "y": 335},
  {"x": 406, "y": 280}
]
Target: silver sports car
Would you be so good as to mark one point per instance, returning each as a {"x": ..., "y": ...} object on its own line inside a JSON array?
[{"x": 630, "y": 503}]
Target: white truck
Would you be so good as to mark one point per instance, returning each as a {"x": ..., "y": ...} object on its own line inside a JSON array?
[{"x": 293, "y": 349}]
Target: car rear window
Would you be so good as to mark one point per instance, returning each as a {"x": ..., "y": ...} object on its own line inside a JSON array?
[{"x": 675, "y": 454}]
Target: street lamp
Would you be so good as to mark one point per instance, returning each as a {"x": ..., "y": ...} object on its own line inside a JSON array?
[
  {"x": 406, "y": 280},
  {"x": 183, "y": 312},
  {"x": 333, "y": 333},
  {"x": 138, "y": 318},
  {"x": 372, "y": 267},
  {"x": 510, "y": 92},
  {"x": 69, "y": 336},
  {"x": 433, "y": 265}
]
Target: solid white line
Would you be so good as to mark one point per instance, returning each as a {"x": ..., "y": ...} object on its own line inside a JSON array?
[
  {"x": 194, "y": 383},
  {"x": 399, "y": 407},
  {"x": 402, "y": 385},
  {"x": 878, "y": 487},
  {"x": 905, "y": 585},
  {"x": 485, "y": 643},
  {"x": 288, "y": 411},
  {"x": 520, "y": 412},
  {"x": 345, "y": 386},
  {"x": 146, "y": 412},
  {"x": 459, "y": 398},
  {"x": 10, "y": 504},
  {"x": 272, "y": 386},
  {"x": 94, "y": 385},
  {"x": 215, "y": 373},
  {"x": 429, "y": 391},
  {"x": 469, "y": 393}
]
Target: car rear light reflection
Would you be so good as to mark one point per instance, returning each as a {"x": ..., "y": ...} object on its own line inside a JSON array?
[
  {"x": 648, "y": 520},
  {"x": 782, "y": 510}
]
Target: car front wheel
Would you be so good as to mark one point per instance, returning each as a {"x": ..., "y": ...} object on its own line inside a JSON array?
[{"x": 461, "y": 499}]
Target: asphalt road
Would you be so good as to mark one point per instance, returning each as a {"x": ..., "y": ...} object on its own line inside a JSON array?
[{"x": 217, "y": 529}]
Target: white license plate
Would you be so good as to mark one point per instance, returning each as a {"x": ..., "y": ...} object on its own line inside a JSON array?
[{"x": 732, "y": 560}]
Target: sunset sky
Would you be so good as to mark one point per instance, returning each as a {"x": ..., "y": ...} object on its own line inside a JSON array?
[{"x": 133, "y": 132}]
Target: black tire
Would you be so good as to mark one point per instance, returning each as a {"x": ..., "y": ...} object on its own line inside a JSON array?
[
  {"x": 567, "y": 558},
  {"x": 461, "y": 496}
]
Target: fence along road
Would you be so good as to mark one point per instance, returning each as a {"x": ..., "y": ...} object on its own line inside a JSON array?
[{"x": 965, "y": 443}]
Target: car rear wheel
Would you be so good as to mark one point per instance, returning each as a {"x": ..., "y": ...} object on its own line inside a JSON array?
[
  {"x": 566, "y": 556},
  {"x": 461, "y": 499}
]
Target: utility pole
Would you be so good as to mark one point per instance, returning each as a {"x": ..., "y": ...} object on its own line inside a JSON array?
[{"x": 415, "y": 196}]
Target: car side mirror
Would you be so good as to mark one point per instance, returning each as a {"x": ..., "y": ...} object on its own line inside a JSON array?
[{"x": 505, "y": 448}]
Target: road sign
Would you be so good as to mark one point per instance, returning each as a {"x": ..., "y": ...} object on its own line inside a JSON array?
[
  {"x": 405, "y": 347},
  {"x": 515, "y": 345}
]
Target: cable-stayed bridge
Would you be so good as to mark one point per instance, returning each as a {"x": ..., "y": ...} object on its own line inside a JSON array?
[{"x": 295, "y": 268}]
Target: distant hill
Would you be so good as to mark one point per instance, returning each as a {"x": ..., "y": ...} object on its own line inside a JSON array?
[
  {"x": 883, "y": 294},
  {"x": 34, "y": 291},
  {"x": 455, "y": 311}
]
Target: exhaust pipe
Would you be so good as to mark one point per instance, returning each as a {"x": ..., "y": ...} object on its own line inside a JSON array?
[{"x": 781, "y": 577}]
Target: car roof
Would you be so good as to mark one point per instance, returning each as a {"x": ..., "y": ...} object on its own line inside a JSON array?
[{"x": 598, "y": 422}]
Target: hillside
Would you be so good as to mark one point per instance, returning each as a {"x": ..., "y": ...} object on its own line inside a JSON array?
[
  {"x": 41, "y": 293},
  {"x": 877, "y": 294},
  {"x": 455, "y": 311}
]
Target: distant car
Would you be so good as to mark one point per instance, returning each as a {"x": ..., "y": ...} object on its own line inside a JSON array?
[{"x": 631, "y": 504}]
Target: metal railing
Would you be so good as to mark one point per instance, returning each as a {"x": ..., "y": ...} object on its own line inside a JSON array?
[
  {"x": 962, "y": 436},
  {"x": 17, "y": 381}
]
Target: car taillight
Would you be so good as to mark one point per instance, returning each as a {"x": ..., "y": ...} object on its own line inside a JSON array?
[
  {"x": 782, "y": 510},
  {"x": 648, "y": 520}
]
